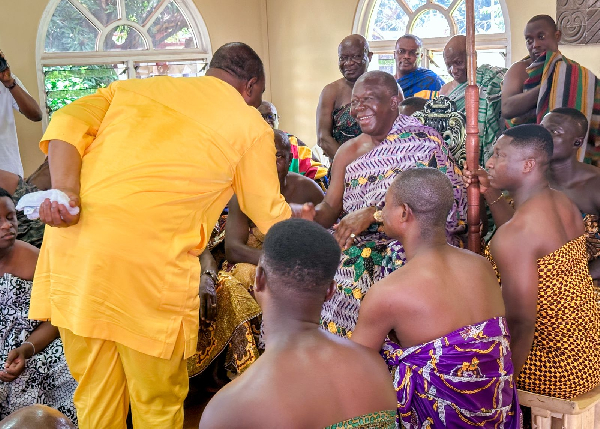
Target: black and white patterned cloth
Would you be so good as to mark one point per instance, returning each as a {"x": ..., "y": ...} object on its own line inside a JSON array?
[{"x": 46, "y": 378}]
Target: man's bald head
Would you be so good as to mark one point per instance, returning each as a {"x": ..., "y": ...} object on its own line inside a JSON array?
[
  {"x": 456, "y": 43},
  {"x": 455, "y": 58},
  {"x": 36, "y": 417},
  {"x": 355, "y": 40},
  {"x": 380, "y": 79}
]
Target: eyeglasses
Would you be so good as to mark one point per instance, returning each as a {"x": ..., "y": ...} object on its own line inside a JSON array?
[
  {"x": 352, "y": 58},
  {"x": 410, "y": 53},
  {"x": 269, "y": 116}
]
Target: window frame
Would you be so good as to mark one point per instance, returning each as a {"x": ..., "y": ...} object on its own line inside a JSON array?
[
  {"x": 366, "y": 8},
  {"x": 128, "y": 57}
]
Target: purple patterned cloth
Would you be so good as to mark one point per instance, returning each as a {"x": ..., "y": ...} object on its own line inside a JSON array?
[
  {"x": 464, "y": 379},
  {"x": 373, "y": 256}
]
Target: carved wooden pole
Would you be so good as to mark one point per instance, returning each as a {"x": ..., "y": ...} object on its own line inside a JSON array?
[{"x": 472, "y": 144}]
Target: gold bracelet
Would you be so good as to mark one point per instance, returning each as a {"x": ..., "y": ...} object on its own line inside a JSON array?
[{"x": 495, "y": 201}]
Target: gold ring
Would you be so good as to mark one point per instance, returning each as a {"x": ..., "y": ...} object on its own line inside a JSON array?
[
  {"x": 213, "y": 305},
  {"x": 353, "y": 235}
]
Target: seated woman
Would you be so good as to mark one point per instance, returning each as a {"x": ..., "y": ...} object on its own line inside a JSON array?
[
  {"x": 237, "y": 323},
  {"x": 30, "y": 230},
  {"x": 34, "y": 370}
]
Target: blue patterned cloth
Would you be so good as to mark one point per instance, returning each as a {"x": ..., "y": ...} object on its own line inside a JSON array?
[{"x": 421, "y": 83}]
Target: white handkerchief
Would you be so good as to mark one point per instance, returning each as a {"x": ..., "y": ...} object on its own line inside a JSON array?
[{"x": 30, "y": 203}]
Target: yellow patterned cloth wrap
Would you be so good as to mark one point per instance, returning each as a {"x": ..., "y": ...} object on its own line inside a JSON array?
[
  {"x": 379, "y": 420},
  {"x": 237, "y": 327},
  {"x": 564, "y": 361}
]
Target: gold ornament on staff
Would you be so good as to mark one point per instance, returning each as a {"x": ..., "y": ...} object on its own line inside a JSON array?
[{"x": 472, "y": 143}]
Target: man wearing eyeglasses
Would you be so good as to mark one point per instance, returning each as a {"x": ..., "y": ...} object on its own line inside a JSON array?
[
  {"x": 414, "y": 80},
  {"x": 335, "y": 125}
]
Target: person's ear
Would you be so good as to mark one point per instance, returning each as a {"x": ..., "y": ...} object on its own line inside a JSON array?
[
  {"x": 394, "y": 102},
  {"x": 578, "y": 142},
  {"x": 528, "y": 165},
  {"x": 370, "y": 56},
  {"x": 405, "y": 213},
  {"x": 558, "y": 36},
  {"x": 260, "y": 280},
  {"x": 331, "y": 290},
  {"x": 250, "y": 86}
]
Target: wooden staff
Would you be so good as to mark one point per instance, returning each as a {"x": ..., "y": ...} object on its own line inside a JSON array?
[{"x": 472, "y": 143}]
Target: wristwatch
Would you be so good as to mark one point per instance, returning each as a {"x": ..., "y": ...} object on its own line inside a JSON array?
[{"x": 10, "y": 88}]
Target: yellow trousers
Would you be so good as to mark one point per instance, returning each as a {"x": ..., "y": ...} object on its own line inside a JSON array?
[{"x": 110, "y": 376}]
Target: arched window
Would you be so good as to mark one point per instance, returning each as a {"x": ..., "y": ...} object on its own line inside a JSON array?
[
  {"x": 382, "y": 22},
  {"x": 83, "y": 45}
]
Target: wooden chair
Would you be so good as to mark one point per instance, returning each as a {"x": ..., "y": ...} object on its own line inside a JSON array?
[
  {"x": 440, "y": 114},
  {"x": 582, "y": 412}
]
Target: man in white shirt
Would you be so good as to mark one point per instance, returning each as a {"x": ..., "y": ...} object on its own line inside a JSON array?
[{"x": 13, "y": 95}]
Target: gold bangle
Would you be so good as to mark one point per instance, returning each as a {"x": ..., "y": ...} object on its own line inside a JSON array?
[{"x": 495, "y": 201}]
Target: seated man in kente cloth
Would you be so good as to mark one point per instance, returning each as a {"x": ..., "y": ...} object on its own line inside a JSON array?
[
  {"x": 233, "y": 330},
  {"x": 335, "y": 125},
  {"x": 546, "y": 80},
  {"x": 540, "y": 255},
  {"x": 442, "y": 311},
  {"x": 299, "y": 381},
  {"x": 415, "y": 81},
  {"x": 360, "y": 175},
  {"x": 489, "y": 81},
  {"x": 303, "y": 161}
]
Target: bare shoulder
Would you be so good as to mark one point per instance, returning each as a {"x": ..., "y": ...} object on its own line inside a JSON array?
[
  {"x": 331, "y": 90},
  {"x": 305, "y": 189},
  {"x": 351, "y": 150},
  {"x": 513, "y": 237},
  {"x": 448, "y": 87},
  {"x": 25, "y": 257},
  {"x": 517, "y": 73},
  {"x": 221, "y": 411},
  {"x": 519, "y": 66},
  {"x": 391, "y": 291}
]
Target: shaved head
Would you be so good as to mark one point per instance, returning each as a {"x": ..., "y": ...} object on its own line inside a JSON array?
[
  {"x": 427, "y": 191},
  {"x": 266, "y": 106},
  {"x": 455, "y": 58},
  {"x": 380, "y": 79},
  {"x": 456, "y": 43},
  {"x": 574, "y": 115},
  {"x": 282, "y": 140},
  {"x": 545, "y": 18},
  {"x": 355, "y": 40},
  {"x": 36, "y": 417}
]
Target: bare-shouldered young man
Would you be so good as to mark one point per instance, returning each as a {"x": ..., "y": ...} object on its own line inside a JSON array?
[
  {"x": 442, "y": 311},
  {"x": 307, "y": 378},
  {"x": 540, "y": 254},
  {"x": 541, "y": 35}
]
